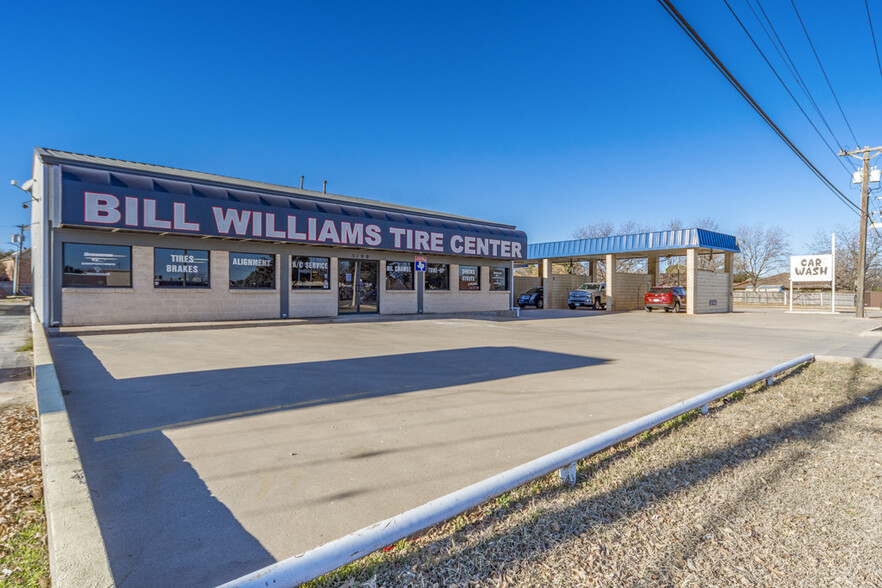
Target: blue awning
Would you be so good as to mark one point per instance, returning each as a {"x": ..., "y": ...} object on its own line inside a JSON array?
[{"x": 670, "y": 241}]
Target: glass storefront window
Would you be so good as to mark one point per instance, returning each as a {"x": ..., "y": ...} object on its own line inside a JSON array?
[
  {"x": 310, "y": 273},
  {"x": 469, "y": 277},
  {"x": 437, "y": 276},
  {"x": 97, "y": 266},
  {"x": 252, "y": 270},
  {"x": 499, "y": 278},
  {"x": 180, "y": 268},
  {"x": 399, "y": 275}
]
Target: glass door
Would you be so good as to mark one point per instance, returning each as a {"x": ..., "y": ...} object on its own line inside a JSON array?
[
  {"x": 357, "y": 287},
  {"x": 368, "y": 271}
]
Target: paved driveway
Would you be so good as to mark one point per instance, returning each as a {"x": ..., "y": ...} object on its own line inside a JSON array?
[
  {"x": 212, "y": 453},
  {"x": 16, "y": 386}
]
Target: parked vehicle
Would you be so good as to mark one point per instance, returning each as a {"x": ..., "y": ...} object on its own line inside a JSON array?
[
  {"x": 534, "y": 297},
  {"x": 591, "y": 294},
  {"x": 671, "y": 299}
]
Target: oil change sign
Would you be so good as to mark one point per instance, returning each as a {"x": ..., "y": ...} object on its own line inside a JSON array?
[{"x": 811, "y": 268}]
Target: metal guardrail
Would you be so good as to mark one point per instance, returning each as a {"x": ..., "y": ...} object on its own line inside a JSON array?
[{"x": 326, "y": 558}]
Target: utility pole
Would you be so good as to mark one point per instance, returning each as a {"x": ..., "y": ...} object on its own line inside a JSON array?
[
  {"x": 863, "y": 154},
  {"x": 17, "y": 278}
]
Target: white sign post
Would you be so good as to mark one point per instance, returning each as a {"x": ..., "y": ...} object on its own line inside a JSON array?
[{"x": 814, "y": 268}]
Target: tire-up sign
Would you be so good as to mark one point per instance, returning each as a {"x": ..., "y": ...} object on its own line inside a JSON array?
[
  {"x": 811, "y": 268},
  {"x": 419, "y": 263}
]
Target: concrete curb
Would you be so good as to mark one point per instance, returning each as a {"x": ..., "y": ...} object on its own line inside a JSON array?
[
  {"x": 874, "y": 332},
  {"x": 868, "y": 361},
  {"x": 77, "y": 556},
  {"x": 210, "y": 325}
]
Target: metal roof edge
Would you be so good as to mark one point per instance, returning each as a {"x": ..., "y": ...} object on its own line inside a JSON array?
[
  {"x": 57, "y": 156},
  {"x": 654, "y": 241}
]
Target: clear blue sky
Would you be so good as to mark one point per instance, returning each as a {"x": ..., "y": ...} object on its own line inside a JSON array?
[{"x": 544, "y": 115}]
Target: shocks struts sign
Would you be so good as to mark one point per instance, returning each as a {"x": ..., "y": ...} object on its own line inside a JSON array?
[{"x": 108, "y": 206}]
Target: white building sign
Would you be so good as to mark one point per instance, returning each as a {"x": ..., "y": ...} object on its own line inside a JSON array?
[{"x": 811, "y": 268}]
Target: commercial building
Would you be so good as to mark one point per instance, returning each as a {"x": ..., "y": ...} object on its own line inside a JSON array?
[{"x": 122, "y": 242}]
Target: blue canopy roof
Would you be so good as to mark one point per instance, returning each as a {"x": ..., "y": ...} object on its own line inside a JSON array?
[{"x": 634, "y": 244}]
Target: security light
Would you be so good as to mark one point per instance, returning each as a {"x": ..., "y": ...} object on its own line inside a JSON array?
[{"x": 26, "y": 187}]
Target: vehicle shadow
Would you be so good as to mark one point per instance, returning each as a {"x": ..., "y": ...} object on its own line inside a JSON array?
[{"x": 160, "y": 522}]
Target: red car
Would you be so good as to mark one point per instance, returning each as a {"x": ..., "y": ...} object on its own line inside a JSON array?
[{"x": 667, "y": 298}]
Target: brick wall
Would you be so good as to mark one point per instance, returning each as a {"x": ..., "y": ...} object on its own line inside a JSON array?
[
  {"x": 524, "y": 283},
  {"x": 710, "y": 287},
  {"x": 395, "y": 301},
  {"x": 142, "y": 303},
  {"x": 630, "y": 289},
  {"x": 454, "y": 300},
  {"x": 312, "y": 303},
  {"x": 26, "y": 276}
]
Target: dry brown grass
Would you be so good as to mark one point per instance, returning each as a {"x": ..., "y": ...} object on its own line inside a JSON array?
[{"x": 782, "y": 487}]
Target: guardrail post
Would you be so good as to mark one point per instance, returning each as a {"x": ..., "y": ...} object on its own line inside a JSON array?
[
  {"x": 321, "y": 560},
  {"x": 770, "y": 380},
  {"x": 705, "y": 408},
  {"x": 568, "y": 474}
]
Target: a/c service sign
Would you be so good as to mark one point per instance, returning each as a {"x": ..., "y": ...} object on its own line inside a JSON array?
[{"x": 811, "y": 268}]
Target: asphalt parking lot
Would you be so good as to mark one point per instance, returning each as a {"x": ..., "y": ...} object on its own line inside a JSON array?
[{"x": 211, "y": 453}]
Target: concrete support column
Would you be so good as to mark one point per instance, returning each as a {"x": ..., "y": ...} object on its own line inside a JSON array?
[
  {"x": 547, "y": 275},
  {"x": 691, "y": 280},
  {"x": 653, "y": 271},
  {"x": 611, "y": 281},
  {"x": 728, "y": 267}
]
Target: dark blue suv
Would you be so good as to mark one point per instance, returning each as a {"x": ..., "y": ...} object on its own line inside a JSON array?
[{"x": 532, "y": 297}]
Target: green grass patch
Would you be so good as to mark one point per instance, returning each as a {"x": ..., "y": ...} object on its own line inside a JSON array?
[
  {"x": 26, "y": 556},
  {"x": 27, "y": 346}
]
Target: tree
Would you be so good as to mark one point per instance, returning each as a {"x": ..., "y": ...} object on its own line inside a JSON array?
[
  {"x": 710, "y": 262},
  {"x": 763, "y": 250},
  {"x": 607, "y": 229},
  {"x": 847, "y": 244}
]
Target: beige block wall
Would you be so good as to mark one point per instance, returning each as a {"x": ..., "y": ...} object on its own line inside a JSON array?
[
  {"x": 455, "y": 300},
  {"x": 395, "y": 301},
  {"x": 142, "y": 303},
  {"x": 313, "y": 303},
  {"x": 524, "y": 283},
  {"x": 712, "y": 286},
  {"x": 145, "y": 304},
  {"x": 630, "y": 289},
  {"x": 563, "y": 284}
]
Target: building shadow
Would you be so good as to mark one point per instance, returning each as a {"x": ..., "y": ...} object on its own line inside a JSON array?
[{"x": 160, "y": 522}]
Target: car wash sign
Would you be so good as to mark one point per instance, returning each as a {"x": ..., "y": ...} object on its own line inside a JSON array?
[
  {"x": 112, "y": 206},
  {"x": 811, "y": 268}
]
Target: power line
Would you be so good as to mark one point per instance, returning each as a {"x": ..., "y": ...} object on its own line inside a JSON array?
[
  {"x": 797, "y": 76},
  {"x": 829, "y": 85},
  {"x": 696, "y": 38},
  {"x": 872, "y": 34},
  {"x": 784, "y": 85}
]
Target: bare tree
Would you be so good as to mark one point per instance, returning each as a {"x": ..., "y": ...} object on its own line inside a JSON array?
[
  {"x": 847, "y": 243},
  {"x": 710, "y": 261},
  {"x": 763, "y": 250},
  {"x": 607, "y": 229}
]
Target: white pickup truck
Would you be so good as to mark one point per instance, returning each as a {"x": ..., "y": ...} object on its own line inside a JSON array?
[{"x": 591, "y": 294}]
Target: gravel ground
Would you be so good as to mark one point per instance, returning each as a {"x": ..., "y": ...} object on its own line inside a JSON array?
[{"x": 782, "y": 486}]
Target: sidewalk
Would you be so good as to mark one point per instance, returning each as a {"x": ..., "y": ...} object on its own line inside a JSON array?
[{"x": 16, "y": 385}]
